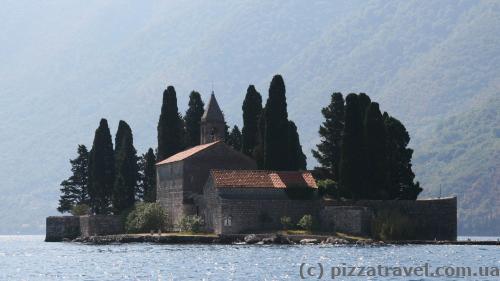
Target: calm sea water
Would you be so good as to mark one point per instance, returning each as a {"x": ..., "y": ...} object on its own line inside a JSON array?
[{"x": 29, "y": 258}]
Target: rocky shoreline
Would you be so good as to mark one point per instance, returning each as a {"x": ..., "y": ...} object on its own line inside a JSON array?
[{"x": 259, "y": 239}]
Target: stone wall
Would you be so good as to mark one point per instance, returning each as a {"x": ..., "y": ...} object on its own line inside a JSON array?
[
  {"x": 62, "y": 227},
  {"x": 231, "y": 211},
  {"x": 101, "y": 225},
  {"x": 346, "y": 219},
  {"x": 434, "y": 218}
]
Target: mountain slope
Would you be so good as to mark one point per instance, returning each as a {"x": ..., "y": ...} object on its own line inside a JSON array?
[{"x": 63, "y": 66}]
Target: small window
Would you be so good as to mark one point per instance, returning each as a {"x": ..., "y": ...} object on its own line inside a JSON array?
[{"x": 227, "y": 221}]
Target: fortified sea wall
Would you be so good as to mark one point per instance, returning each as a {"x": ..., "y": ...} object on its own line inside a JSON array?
[
  {"x": 69, "y": 227},
  {"x": 434, "y": 219}
]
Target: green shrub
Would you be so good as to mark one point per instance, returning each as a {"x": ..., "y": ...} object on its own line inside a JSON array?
[
  {"x": 327, "y": 187},
  {"x": 393, "y": 225},
  {"x": 306, "y": 222},
  {"x": 191, "y": 224},
  {"x": 80, "y": 210},
  {"x": 286, "y": 222},
  {"x": 146, "y": 217}
]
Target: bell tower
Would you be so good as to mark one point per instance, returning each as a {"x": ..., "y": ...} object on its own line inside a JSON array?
[{"x": 212, "y": 123}]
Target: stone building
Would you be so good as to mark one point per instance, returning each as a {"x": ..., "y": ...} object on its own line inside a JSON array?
[
  {"x": 181, "y": 177},
  {"x": 244, "y": 201}
]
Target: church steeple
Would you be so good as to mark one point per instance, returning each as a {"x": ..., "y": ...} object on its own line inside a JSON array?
[{"x": 212, "y": 122}]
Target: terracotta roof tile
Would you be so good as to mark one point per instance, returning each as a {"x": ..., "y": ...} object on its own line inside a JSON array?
[
  {"x": 186, "y": 153},
  {"x": 262, "y": 179}
]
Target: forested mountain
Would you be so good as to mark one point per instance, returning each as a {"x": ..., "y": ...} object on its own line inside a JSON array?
[{"x": 432, "y": 64}]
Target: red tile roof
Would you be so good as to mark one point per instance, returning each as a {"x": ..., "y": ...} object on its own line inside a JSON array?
[
  {"x": 262, "y": 179},
  {"x": 187, "y": 153}
]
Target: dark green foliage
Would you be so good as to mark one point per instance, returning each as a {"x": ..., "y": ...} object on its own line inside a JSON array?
[
  {"x": 328, "y": 151},
  {"x": 258, "y": 152},
  {"x": 192, "y": 119},
  {"x": 170, "y": 126},
  {"x": 147, "y": 177},
  {"x": 328, "y": 187},
  {"x": 75, "y": 189},
  {"x": 234, "y": 138},
  {"x": 192, "y": 224},
  {"x": 80, "y": 210},
  {"x": 296, "y": 158},
  {"x": 351, "y": 160},
  {"x": 286, "y": 222},
  {"x": 400, "y": 175},
  {"x": 252, "y": 109},
  {"x": 306, "y": 222},
  {"x": 146, "y": 217},
  {"x": 101, "y": 170},
  {"x": 126, "y": 169},
  {"x": 364, "y": 101},
  {"x": 376, "y": 154},
  {"x": 276, "y": 126}
]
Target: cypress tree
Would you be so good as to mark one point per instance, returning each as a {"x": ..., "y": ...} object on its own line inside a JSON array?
[
  {"x": 364, "y": 102},
  {"x": 351, "y": 159},
  {"x": 75, "y": 189},
  {"x": 401, "y": 183},
  {"x": 147, "y": 183},
  {"x": 252, "y": 109},
  {"x": 101, "y": 170},
  {"x": 170, "y": 126},
  {"x": 296, "y": 158},
  {"x": 258, "y": 152},
  {"x": 275, "y": 145},
  {"x": 376, "y": 154},
  {"x": 126, "y": 169},
  {"x": 328, "y": 151},
  {"x": 234, "y": 138},
  {"x": 192, "y": 119}
]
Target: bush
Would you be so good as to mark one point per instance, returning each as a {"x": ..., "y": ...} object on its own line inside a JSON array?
[
  {"x": 306, "y": 222},
  {"x": 328, "y": 187},
  {"x": 286, "y": 222},
  {"x": 146, "y": 217},
  {"x": 392, "y": 225},
  {"x": 191, "y": 224},
  {"x": 80, "y": 210}
]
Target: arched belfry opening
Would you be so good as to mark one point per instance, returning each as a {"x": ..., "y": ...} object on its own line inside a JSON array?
[{"x": 212, "y": 122}]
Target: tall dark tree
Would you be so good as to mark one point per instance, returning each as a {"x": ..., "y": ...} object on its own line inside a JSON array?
[
  {"x": 258, "y": 152},
  {"x": 101, "y": 170},
  {"x": 401, "y": 183},
  {"x": 147, "y": 172},
  {"x": 192, "y": 119},
  {"x": 351, "y": 159},
  {"x": 328, "y": 151},
  {"x": 126, "y": 169},
  {"x": 252, "y": 109},
  {"x": 375, "y": 141},
  {"x": 75, "y": 189},
  {"x": 296, "y": 158},
  {"x": 170, "y": 126},
  {"x": 276, "y": 134},
  {"x": 364, "y": 102},
  {"x": 234, "y": 138}
]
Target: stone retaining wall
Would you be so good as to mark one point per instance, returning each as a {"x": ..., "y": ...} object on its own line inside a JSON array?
[
  {"x": 433, "y": 218},
  {"x": 61, "y": 227},
  {"x": 101, "y": 225}
]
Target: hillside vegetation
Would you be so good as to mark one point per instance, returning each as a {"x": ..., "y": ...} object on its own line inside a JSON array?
[{"x": 434, "y": 65}]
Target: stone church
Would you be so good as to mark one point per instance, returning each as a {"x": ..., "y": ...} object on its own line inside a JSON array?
[{"x": 222, "y": 185}]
